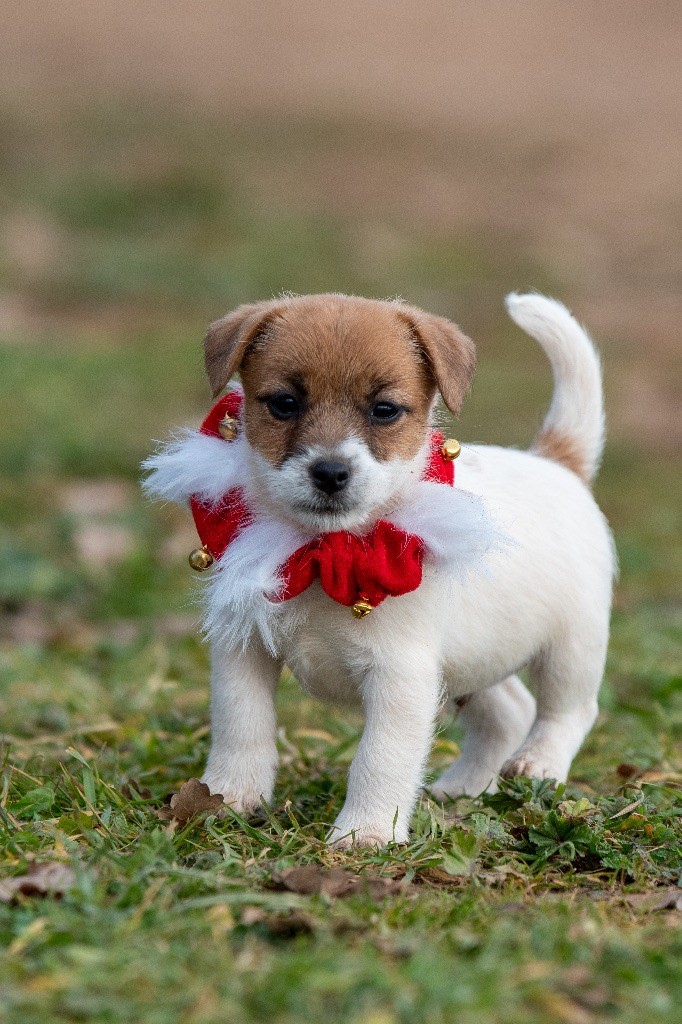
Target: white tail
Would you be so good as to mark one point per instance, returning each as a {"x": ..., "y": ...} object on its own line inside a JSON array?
[{"x": 573, "y": 431}]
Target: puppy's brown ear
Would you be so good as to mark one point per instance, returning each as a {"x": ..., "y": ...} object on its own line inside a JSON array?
[
  {"x": 228, "y": 340},
  {"x": 449, "y": 354}
]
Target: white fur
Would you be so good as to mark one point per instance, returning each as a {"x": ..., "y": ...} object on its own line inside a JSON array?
[
  {"x": 531, "y": 588},
  {"x": 455, "y": 525},
  {"x": 241, "y": 593},
  {"x": 497, "y": 721},
  {"x": 373, "y": 488},
  {"x": 577, "y": 408},
  {"x": 196, "y": 463}
]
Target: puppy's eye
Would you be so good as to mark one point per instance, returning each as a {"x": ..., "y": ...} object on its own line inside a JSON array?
[
  {"x": 385, "y": 412},
  {"x": 283, "y": 406}
]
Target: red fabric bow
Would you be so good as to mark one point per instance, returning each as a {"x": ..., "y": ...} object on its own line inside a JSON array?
[{"x": 384, "y": 562}]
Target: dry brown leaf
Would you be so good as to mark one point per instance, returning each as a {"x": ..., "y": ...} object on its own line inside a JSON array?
[
  {"x": 437, "y": 876},
  {"x": 311, "y": 879},
  {"x": 668, "y": 899},
  {"x": 193, "y": 797},
  {"x": 626, "y": 771},
  {"x": 131, "y": 791},
  {"x": 655, "y": 776},
  {"x": 46, "y": 878},
  {"x": 283, "y": 924}
]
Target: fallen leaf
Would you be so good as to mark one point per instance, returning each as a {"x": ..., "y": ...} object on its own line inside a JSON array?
[
  {"x": 284, "y": 924},
  {"x": 312, "y": 880},
  {"x": 192, "y": 798},
  {"x": 438, "y": 876},
  {"x": 668, "y": 899},
  {"x": 654, "y": 776},
  {"x": 131, "y": 791},
  {"x": 46, "y": 878}
]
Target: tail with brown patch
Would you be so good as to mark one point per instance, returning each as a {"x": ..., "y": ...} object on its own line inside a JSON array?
[{"x": 573, "y": 431}]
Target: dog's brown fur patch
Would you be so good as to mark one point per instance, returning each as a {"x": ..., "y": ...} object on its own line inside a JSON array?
[
  {"x": 561, "y": 448},
  {"x": 338, "y": 355}
]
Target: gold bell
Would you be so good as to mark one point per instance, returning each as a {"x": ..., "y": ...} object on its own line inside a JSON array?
[
  {"x": 201, "y": 559},
  {"x": 228, "y": 428},
  {"x": 361, "y": 608},
  {"x": 450, "y": 449}
]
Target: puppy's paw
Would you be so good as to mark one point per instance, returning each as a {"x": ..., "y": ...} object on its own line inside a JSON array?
[
  {"x": 344, "y": 837},
  {"x": 246, "y": 806},
  {"x": 533, "y": 765},
  {"x": 242, "y": 800},
  {"x": 455, "y": 783}
]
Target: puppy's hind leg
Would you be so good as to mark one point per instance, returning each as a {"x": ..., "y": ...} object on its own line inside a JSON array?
[
  {"x": 567, "y": 679},
  {"x": 497, "y": 720}
]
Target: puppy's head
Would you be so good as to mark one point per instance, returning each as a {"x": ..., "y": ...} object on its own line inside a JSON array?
[{"x": 338, "y": 396}]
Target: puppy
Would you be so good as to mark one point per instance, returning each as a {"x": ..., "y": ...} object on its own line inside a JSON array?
[{"x": 328, "y": 460}]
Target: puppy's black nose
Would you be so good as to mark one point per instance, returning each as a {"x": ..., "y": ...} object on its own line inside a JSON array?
[{"x": 330, "y": 476}]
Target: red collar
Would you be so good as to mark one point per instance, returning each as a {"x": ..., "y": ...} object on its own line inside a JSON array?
[{"x": 359, "y": 572}]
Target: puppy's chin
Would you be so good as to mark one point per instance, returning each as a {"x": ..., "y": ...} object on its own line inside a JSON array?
[
  {"x": 376, "y": 489},
  {"x": 330, "y": 516}
]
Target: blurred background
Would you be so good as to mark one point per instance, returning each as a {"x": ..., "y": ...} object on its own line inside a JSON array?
[{"x": 162, "y": 162}]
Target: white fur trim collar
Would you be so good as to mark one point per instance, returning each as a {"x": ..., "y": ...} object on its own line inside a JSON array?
[{"x": 454, "y": 525}]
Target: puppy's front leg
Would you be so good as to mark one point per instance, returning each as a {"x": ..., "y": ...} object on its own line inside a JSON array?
[
  {"x": 243, "y": 760},
  {"x": 401, "y": 702}
]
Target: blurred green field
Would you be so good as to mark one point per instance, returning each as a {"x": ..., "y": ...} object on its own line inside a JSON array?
[{"x": 123, "y": 241}]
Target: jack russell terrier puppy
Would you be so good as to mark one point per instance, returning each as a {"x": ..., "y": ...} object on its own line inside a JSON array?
[{"x": 343, "y": 548}]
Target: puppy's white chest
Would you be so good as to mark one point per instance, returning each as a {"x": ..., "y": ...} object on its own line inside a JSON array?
[{"x": 330, "y": 652}]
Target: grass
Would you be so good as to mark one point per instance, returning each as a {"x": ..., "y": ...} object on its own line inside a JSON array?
[{"x": 538, "y": 904}]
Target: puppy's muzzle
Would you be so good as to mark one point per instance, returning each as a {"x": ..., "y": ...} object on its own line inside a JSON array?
[{"x": 329, "y": 475}]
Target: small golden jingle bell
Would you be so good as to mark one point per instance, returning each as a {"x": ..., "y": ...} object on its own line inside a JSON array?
[
  {"x": 228, "y": 428},
  {"x": 201, "y": 559},
  {"x": 450, "y": 449},
  {"x": 361, "y": 608}
]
